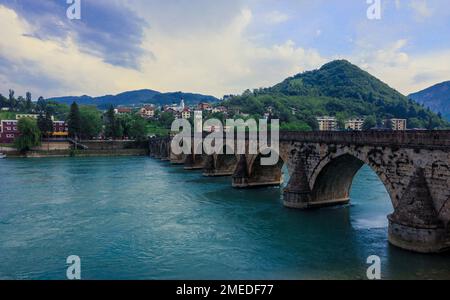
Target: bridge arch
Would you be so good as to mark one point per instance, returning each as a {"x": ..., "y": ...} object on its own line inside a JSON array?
[
  {"x": 221, "y": 164},
  {"x": 331, "y": 180},
  {"x": 250, "y": 172},
  {"x": 226, "y": 163}
]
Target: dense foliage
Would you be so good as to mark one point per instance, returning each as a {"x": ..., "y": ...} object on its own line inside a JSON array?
[
  {"x": 74, "y": 121},
  {"x": 338, "y": 89},
  {"x": 30, "y": 135},
  {"x": 45, "y": 123}
]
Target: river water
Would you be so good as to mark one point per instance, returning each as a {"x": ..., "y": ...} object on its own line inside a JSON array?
[{"x": 138, "y": 218}]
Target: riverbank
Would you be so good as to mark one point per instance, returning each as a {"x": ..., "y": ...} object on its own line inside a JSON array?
[
  {"x": 93, "y": 149},
  {"x": 78, "y": 153}
]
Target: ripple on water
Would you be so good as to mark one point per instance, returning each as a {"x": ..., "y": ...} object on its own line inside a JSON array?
[{"x": 137, "y": 218}]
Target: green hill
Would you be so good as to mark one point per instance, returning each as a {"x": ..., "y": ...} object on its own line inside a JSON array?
[{"x": 339, "y": 89}]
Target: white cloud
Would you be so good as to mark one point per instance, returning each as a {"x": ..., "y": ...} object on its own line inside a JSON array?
[
  {"x": 421, "y": 8},
  {"x": 276, "y": 17},
  {"x": 226, "y": 61},
  {"x": 405, "y": 72},
  {"x": 215, "y": 62},
  {"x": 218, "y": 59}
]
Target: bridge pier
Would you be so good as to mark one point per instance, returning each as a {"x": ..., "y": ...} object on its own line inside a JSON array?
[
  {"x": 415, "y": 224},
  {"x": 253, "y": 174},
  {"x": 177, "y": 159},
  {"x": 433, "y": 238},
  {"x": 219, "y": 165},
  {"x": 194, "y": 162},
  {"x": 165, "y": 152}
]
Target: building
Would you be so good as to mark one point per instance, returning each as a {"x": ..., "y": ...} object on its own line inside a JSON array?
[
  {"x": 8, "y": 131},
  {"x": 204, "y": 106},
  {"x": 327, "y": 123},
  {"x": 220, "y": 109},
  {"x": 60, "y": 129},
  {"x": 31, "y": 116},
  {"x": 174, "y": 108},
  {"x": 123, "y": 111},
  {"x": 354, "y": 124},
  {"x": 148, "y": 111},
  {"x": 395, "y": 124},
  {"x": 186, "y": 113}
]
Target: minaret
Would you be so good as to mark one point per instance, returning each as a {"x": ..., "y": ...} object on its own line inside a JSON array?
[{"x": 182, "y": 106}]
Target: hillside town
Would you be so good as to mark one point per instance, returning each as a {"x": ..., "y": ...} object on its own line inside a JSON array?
[{"x": 9, "y": 130}]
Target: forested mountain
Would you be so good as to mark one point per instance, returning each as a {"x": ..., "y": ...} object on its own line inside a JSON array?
[
  {"x": 437, "y": 98},
  {"x": 339, "y": 89}
]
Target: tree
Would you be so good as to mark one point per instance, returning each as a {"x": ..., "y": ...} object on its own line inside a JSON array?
[
  {"x": 91, "y": 122},
  {"x": 21, "y": 104},
  {"x": 29, "y": 103},
  {"x": 30, "y": 135},
  {"x": 113, "y": 126},
  {"x": 3, "y": 101},
  {"x": 74, "y": 121},
  {"x": 110, "y": 119},
  {"x": 369, "y": 123},
  {"x": 126, "y": 121},
  {"x": 166, "y": 119},
  {"x": 45, "y": 124},
  {"x": 59, "y": 110},
  {"x": 312, "y": 122},
  {"x": 414, "y": 123},
  {"x": 12, "y": 100},
  {"x": 138, "y": 129},
  {"x": 41, "y": 105}
]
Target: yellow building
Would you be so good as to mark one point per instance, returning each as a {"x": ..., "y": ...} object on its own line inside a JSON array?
[
  {"x": 355, "y": 124},
  {"x": 327, "y": 123},
  {"x": 148, "y": 111},
  {"x": 396, "y": 124},
  {"x": 186, "y": 113}
]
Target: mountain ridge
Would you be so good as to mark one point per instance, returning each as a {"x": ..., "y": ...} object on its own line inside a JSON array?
[
  {"x": 436, "y": 97},
  {"x": 136, "y": 97}
]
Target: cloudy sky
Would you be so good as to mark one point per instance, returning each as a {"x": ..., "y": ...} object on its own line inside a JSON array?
[{"x": 215, "y": 47}]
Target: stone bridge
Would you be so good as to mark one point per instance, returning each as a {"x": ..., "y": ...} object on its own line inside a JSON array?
[{"x": 414, "y": 166}]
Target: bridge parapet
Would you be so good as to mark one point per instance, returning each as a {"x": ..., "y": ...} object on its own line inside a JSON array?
[{"x": 429, "y": 139}]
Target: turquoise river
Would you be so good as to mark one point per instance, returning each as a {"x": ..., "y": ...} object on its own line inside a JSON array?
[{"x": 138, "y": 218}]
